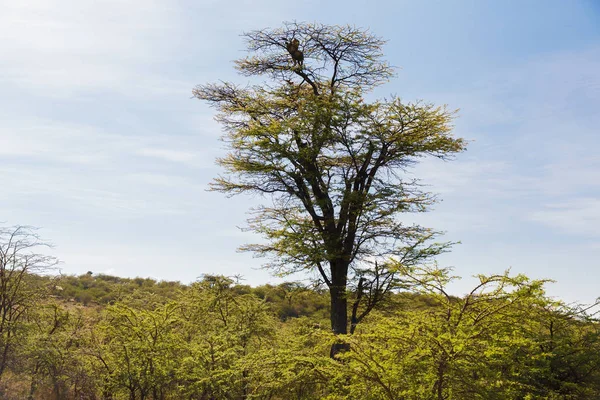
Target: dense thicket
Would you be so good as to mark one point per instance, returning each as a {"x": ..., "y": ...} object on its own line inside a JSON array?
[{"x": 103, "y": 337}]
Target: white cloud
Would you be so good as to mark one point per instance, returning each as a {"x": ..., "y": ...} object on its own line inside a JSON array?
[
  {"x": 85, "y": 169},
  {"x": 535, "y": 126},
  {"x": 63, "y": 47},
  {"x": 161, "y": 180},
  {"x": 85, "y": 194},
  {"x": 63, "y": 142},
  {"x": 177, "y": 156},
  {"x": 45, "y": 140},
  {"x": 579, "y": 216}
]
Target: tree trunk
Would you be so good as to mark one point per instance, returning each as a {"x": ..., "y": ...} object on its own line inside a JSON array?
[
  {"x": 339, "y": 304},
  {"x": 438, "y": 386},
  {"x": 4, "y": 359}
]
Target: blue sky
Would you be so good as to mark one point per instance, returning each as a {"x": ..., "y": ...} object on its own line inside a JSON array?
[{"x": 102, "y": 146}]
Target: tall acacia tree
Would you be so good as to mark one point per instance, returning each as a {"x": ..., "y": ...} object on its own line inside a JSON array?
[{"x": 333, "y": 164}]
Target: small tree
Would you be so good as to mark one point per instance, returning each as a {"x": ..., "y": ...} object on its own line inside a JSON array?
[
  {"x": 141, "y": 350},
  {"x": 223, "y": 330},
  {"x": 333, "y": 164},
  {"x": 54, "y": 353},
  {"x": 473, "y": 347},
  {"x": 19, "y": 289}
]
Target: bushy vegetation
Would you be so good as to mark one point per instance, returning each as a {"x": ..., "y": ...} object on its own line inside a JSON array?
[{"x": 120, "y": 338}]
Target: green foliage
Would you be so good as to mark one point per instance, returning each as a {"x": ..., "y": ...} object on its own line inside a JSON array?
[
  {"x": 297, "y": 364},
  {"x": 485, "y": 345},
  {"x": 55, "y": 353},
  {"x": 90, "y": 289},
  {"x": 222, "y": 327},
  {"x": 293, "y": 300},
  {"x": 140, "y": 349},
  {"x": 332, "y": 163},
  {"x": 217, "y": 339}
]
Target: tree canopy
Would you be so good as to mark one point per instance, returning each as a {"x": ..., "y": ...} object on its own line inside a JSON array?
[{"x": 333, "y": 165}]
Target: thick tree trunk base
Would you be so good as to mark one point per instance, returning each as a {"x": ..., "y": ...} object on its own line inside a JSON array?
[{"x": 337, "y": 349}]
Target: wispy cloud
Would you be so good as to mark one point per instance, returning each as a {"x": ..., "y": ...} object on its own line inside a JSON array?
[
  {"x": 71, "y": 46},
  {"x": 64, "y": 142},
  {"x": 579, "y": 216},
  {"x": 535, "y": 129},
  {"x": 178, "y": 156},
  {"x": 83, "y": 168}
]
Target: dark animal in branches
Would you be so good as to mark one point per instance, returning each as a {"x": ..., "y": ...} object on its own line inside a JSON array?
[{"x": 293, "y": 49}]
